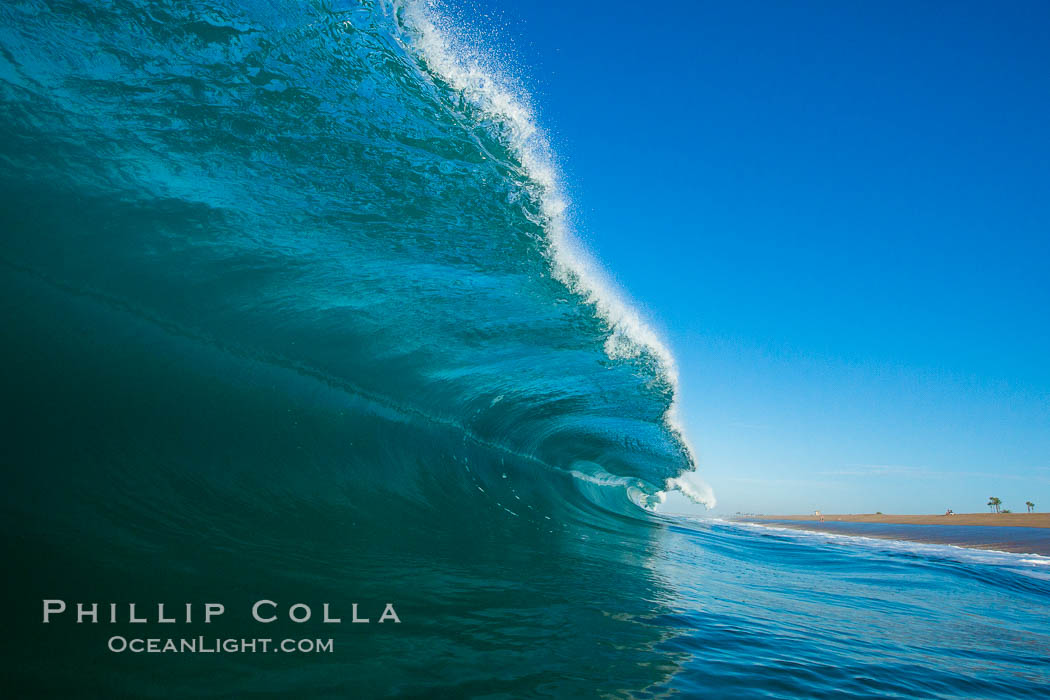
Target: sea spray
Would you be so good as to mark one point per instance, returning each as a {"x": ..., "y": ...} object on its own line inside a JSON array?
[{"x": 477, "y": 77}]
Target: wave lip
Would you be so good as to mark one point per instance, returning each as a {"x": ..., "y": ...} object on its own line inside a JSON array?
[{"x": 475, "y": 76}]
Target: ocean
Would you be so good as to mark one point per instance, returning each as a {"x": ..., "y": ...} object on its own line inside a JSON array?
[{"x": 293, "y": 315}]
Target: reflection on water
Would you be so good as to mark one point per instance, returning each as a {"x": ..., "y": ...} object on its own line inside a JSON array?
[{"x": 793, "y": 615}]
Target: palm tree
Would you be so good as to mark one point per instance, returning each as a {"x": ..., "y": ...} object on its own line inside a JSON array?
[
  {"x": 1030, "y": 505},
  {"x": 994, "y": 503}
]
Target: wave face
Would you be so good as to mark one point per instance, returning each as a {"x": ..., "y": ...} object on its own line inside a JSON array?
[
  {"x": 291, "y": 312},
  {"x": 300, "y": 184}
]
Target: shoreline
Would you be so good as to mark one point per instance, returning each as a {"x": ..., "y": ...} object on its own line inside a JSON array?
[
  {"x": 982, "y": 533},
  {"x": 1040, "y": 520}
]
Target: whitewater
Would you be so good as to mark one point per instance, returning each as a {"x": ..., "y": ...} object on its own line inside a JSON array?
[{"x": 294, "y": 311}]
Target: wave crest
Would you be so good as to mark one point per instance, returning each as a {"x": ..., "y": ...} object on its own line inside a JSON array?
[{"x": 478, "y": 78}]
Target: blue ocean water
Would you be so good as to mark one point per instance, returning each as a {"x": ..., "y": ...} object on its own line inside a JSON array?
[
  {"x": 791, "y": 613},
  {"x": 292, "y": 311}
]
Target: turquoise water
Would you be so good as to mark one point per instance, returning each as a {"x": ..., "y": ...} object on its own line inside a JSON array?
[{"x": 292, "y": 312}]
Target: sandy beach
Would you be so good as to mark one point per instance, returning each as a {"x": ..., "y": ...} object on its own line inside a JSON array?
[{"x": 990, "y": 519}]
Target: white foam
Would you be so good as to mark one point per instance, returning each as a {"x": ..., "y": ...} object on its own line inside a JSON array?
[
  {"x": 1011, "y": 560},
  {"x": 693, "y": 488},
  {"x": 478, "y": 78}
]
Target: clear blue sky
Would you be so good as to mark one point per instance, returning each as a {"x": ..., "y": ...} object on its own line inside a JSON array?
[{"x": 838, "y": 215}]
